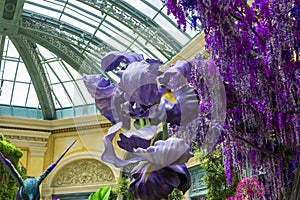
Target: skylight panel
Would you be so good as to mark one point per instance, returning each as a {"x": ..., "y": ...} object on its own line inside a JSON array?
[
  {"x": 32, "y": 100},
  {"x": 6, "y": 92},
  {"x": 71, "y": 71},
  {"x": 75, "y": 22},
  {"x": 57, "y": 69},
  {"x": 44, "y": 10},
  {"x": 115, "y": 34},
  {"x": 10, "y": 70},
  {"x": 118, "y": 24},
  {"x": 139, "y": 5},
  {"x": 52, "y": 78},
  {"x": 167, "y": 26},
  {"x": 22, "y": 74},
  {"x": 77, "y": 15},
  {"x": 60, "y": 93},
  {"x": 46, "y": 54},
  {"x": 85, "y": 10},
  {"x": 157, "y": 4},
  {"x": 84, "y": 91},
  {"x": 112, "y": 40},
  {"x": 75, "y": 95},
  {"x": 85, "y": 7},
  {"x": 19, "y": 95},
  {"x": 11, "y": 49}
]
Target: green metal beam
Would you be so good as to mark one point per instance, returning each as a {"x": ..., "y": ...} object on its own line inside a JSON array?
[
  {"x": 140, "y": 23},
  {"x": 10, "y": 14},
  {"x": 37, "y": 74},
  {"x": 2, "y": 41}
]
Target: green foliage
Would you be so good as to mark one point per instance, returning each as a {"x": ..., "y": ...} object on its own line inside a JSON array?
[
  {"x": 215, "y": 178},
  {"x": 175, "y": 195},
  {"x": 8, "y": 187},
  {"x": 122, "y": 185},
  {"x": 101, "y": 194},
  {"x": 121, "y": 188}
]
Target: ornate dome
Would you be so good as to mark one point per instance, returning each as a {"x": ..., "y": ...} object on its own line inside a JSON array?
[{"x": 47, "y": 45}]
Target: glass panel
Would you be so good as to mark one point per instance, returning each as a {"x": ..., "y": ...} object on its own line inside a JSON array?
[
  {"x": 118, "y": 24},
  {"x": 171, "y": 29},
  {"x": 75, "y": 13},
  {"x": 71, "y": 70},
  {"x": 112, "y": 41},
  {"x": 20, "y": 94},
  {"x": 157, "y": 4},
  {"x": 46, "y": 54},
  {"x": 10, "y": 70},
  {"x": 58, "y": 69},
  {"x": 139, "y": 5},
  {"x": 32, "y": 98},
  {"x": 50, "y": 75},
  {"x": 6, "y": 92},
  {"x": 22, "y": 74},
  {"x": 74, "y": 93},
  {"x": 35, "y": 8},
  {"x": 80, "y": 25},
  {"x": 86, "y": 8},
  {"x": 85, "y": 93},
  {"x": 11, "y": 50},
  {"x": 61, "y": 94}
]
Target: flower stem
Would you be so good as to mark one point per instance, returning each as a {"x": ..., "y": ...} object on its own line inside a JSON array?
[
  {"x": 165, "y": 131},
  {"x": 142, "y": 123}
]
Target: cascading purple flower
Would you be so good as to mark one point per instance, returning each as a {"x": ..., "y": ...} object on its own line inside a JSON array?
[{"x": 161, "y": 165}]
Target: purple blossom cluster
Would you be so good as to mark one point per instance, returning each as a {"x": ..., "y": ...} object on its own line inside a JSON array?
[
  {"x": 250, "y": 187},
  {"x": 256, "y": 50}
]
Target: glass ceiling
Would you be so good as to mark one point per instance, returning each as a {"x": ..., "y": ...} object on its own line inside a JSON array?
[{"x": 50, "y": 44}]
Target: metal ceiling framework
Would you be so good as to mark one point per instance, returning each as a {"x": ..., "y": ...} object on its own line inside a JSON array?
[{"x": 27, "y": 29}]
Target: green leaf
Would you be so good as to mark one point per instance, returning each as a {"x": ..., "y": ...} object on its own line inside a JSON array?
[{"x": 101, "y": 194}]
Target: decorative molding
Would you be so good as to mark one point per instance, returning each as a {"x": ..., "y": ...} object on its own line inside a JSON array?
[
  {"x": 83, "y": 172},
  {"x": 63, "y": 130},
  {"x": 27, "y": 138}
]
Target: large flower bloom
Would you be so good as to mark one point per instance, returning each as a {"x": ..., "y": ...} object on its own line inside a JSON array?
[
  {"x": 144, "y": 91},
  {"x": 161, "y": 166}
]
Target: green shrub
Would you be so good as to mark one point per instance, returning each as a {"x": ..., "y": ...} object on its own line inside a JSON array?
[
  {"x": 215, "y": 178},
  {"x": 8, "y": 186}
]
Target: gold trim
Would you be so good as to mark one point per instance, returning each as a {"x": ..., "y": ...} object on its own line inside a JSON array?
[{"x": 62, "y": 130}]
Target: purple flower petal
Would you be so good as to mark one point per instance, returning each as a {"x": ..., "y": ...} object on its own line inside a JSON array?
[
  {"x": 186, "y": 107},
  {"x": 139, "y": 84},
  {"x": 160, "y": 183},
  {"x": 177, "y": 75},
  {"x": 98, "y": 86},
  {"x": 109, "y": 154},
  {"x": 134, "y": 139},
  {"x": 166, "y": 152},
  {"x": 184, "y": 176},
  {"x": 113, "y": 59}
]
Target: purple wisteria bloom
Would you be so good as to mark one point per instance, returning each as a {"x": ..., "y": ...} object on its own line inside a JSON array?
[{"x": 161, "y": 165}]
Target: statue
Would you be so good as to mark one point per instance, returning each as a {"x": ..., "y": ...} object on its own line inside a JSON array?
[{"x": 29, "y": 188}]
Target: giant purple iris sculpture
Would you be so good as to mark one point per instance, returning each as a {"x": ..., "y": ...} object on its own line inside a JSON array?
[
  {"x": 150, "y": 97},
  {"x": 143, "y": 92}
]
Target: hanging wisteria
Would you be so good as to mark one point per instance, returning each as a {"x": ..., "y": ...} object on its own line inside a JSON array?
[{"x": 256, "y": 50}]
